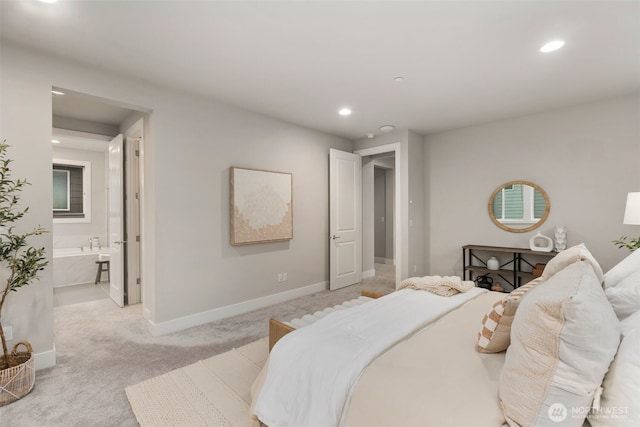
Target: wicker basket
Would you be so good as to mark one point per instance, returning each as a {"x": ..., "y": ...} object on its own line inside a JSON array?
[{"x": 17, "y": 381}]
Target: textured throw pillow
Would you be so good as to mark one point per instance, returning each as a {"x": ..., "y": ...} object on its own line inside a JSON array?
[
  {"x": 568, "y": 257},
  {"x": 622, "y": 269},
  {"x": 625, "y": 295},
  {"x": 495, "y": 332},
  {"x": 619, "y": 405},
  {"x": 563, "y": 338}
]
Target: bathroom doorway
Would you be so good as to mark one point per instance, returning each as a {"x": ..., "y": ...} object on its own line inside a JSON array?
[{"x": 96, "y": 189}]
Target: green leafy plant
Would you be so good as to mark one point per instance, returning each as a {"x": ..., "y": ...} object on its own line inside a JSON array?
[
  {"x": 22, "y": 262},
  {"x": 629, "y": 243}
]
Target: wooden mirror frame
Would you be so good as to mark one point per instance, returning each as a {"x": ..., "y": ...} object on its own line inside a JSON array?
[{"x": 526, "y": 229}]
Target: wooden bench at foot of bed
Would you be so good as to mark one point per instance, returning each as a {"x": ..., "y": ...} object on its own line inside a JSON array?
[{"x": 279, "y": 329}]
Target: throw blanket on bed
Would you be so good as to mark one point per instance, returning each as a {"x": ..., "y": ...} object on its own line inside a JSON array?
[
  {"x": 312, "y": 371},
  {"x": 444, "y": 286}
]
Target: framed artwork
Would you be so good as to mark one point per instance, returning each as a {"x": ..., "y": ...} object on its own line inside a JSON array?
[{"x": 261, "y": 206}]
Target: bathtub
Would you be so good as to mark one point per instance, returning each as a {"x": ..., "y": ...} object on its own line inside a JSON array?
[{"x": 73, "y": 266}]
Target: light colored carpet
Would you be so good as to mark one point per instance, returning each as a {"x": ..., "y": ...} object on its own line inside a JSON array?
[{"x": 210, "y": 392}]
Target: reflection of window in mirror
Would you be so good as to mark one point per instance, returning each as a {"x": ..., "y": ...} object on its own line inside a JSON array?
[
  {"x": 71, "y": 191},
  {"x": 518, "y": 203}
]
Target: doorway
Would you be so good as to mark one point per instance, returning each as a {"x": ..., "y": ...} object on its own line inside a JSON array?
[
  {"x": 386, "y": 157},
  {"x": 86, "y": 195},
  {"x": 379, "y": 193},
  {"x": 351, "y": 209}
]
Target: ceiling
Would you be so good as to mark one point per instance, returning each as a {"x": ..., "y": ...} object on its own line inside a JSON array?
[{"x": 463, "y": 63}]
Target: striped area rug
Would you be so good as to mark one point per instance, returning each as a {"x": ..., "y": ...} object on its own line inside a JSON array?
[{"x": 211, "y": 392}]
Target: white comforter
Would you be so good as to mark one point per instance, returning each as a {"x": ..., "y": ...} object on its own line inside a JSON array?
[{"x": 312, "y": 371}]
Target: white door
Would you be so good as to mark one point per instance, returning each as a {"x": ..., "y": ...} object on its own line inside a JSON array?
[
  {"x": 345, "y": 231},
  {"x": 116, "y": 223}
]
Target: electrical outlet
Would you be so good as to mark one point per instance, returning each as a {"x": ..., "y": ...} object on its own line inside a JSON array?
[
  {"x": 279, "y": 277},
  {"x": 285, "y": 277},
  {"x": 8, "y": 332}
]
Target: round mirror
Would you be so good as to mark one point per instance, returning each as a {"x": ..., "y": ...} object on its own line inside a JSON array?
[{"x": 519, "y": 206}]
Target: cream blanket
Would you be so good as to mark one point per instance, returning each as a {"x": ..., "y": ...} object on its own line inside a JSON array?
[
  {"x": 436, "y": 378},
  {"x": 444, "y": 286},
  {"x": 312, "y": 371}
]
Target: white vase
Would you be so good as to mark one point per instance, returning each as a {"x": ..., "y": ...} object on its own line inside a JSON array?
[
  {"x": 541, "y": 243},
  {"x": 560, "y": 234},
  {"x": 493, "y": 263}
]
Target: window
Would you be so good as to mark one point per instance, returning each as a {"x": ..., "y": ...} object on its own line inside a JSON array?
[
  {"x": 61, "y": 190},
  {"x": 519, "y": 203},
  {"x": 71, "y": 191}
]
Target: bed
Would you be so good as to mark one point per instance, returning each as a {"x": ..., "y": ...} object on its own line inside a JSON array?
[{"x": 568, "y": 330}]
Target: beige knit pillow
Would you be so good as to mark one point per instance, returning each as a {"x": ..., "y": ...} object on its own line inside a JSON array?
[{"x": 495, "y": 333}]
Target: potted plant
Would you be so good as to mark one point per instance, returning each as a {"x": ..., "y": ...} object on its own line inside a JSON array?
[
  {"x": 21, "y": 264},
  {"x": 629, "y": 243}
]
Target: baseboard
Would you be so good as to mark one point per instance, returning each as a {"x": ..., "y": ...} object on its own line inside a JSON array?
[
  {"x": 380, "y": 260},
  {"x": 368, "y": 273},
  {"x": 389, "y": 261},
  {"x": 186, "y": 322},
  {"x": 46, "y": 359}
]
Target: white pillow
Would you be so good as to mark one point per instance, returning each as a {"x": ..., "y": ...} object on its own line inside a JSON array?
[
  {"x": 619, "y": 403},
  {"x": 563, "y": 338},
  {"x": 568, "y": 257},
  {"x": 622, "y": 269},
  {"x": 625, "y": 295}
]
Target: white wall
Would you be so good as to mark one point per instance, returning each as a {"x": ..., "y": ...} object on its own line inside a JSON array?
[
  {"x": 189, "y": 146},
  {"x": 77, "y": 234},
  {"x": 418, "y": 216},
  {"x": 368, "y": 217},
  {"x": 25, "y": 123},
  {"x": 586, "y": 158}
]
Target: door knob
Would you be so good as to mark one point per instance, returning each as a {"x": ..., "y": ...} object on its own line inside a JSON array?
[{"x": 334, "y": 237}]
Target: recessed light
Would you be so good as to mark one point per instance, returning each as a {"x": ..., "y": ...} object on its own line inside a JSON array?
[
  {"x": 551, "y": 46},
  {"x": 55, "y": 141},
  {"x": 371, "y": 135},
  {"x": 387, "y": 128},
  {"x": 57, "y": 92},
  {"x": 344, "y": 111},
  {"x": 49, "y": 1},
  {"x": 398, "y": 79}
]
